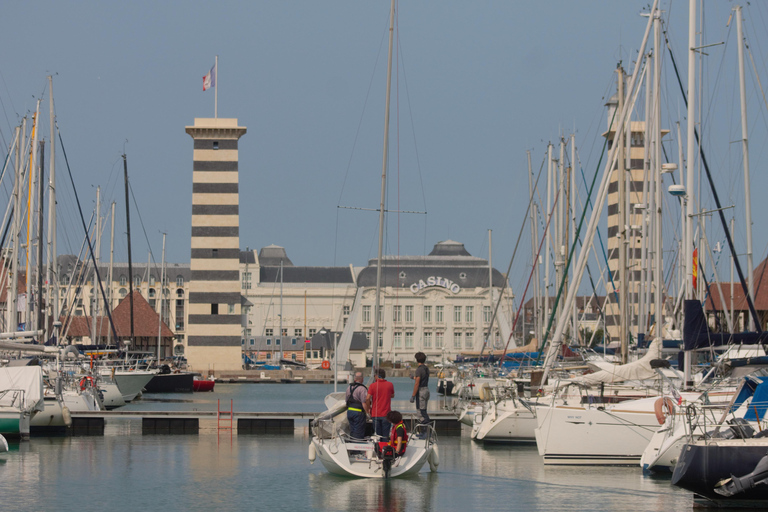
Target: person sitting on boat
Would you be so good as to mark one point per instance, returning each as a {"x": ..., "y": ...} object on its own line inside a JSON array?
[
  {"x": 379, "y": 401},
  {"x": 399, "y": 437},
  {"x": 357, "y": 408}
]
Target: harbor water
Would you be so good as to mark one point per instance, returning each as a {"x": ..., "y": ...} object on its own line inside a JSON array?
[{"x": 214, "y": 470}]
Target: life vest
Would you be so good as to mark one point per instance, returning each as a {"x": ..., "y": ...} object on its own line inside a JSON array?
[
  {"x": 352, "y": 403},
  {"x": 393, "y": 437}
]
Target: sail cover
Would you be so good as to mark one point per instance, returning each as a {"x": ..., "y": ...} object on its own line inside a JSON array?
[
  {"x": 637, "y": 370},
  {"x": 22, "y": 387}
]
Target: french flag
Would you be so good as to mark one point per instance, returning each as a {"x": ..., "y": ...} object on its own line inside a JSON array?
[{"x": 209, "y": 80}]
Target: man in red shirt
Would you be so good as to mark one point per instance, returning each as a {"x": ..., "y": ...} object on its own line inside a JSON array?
[{"x": 379, "y": 401}]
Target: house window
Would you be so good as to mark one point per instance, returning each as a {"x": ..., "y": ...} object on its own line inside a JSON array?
[
  {"x": 269, "y": 341},
  {"x": 409, "y": 314},
  {"x": 180, "y": 293},
  {"x": 346, "y": 310},
  {"x": 293, "y": 341},
  {"x": 457, "y": 339},
  {"x": 151, "y": 280},
  {"x": 242, "y": 341},
  {"x": 246, "y": 280},
  {"x": 312, "y": 332},
  {"x": 397, "y": 314},
  {"x": 179, "y": 303},
  {"x": 179, "y": 280},
  {"x": 252, "y": 341},
  {"x": 278, "y": 340},
  {"x": 214, "y": 253},
  {"x": 486, "y": 314},
  {"x": 469, "y": 314},
  {"x": 397, "y": 340},
  {"x": 215, "y": 144},
  {"x": 269, "y": 332},
  {"x": 439, "y": 314},
  {"x": 469, "y": 339},
  {"x": 381, "y": 339},
  {"x": 456, "y": 314},
  {"x": 151, "y": 292},
  {"x": 123, "y": 281},
  {"x": 214, "y": 309},
  {"x": 366, "y": 314},
  {"x": 136, "y": 282},
  {"x": 427, "y": 339},
  {"x": 381, "y": 314},
  {"x": 123, "y": 292},
  {"x": 408, "y": 339},
  {"x": 439, "y": 339},
  {"x": 284, "y": 332},
  {"x": 152, "y": 303},
  {"x": 427, "y": 314},
  {"x": 231, "y": 309},
  {"x": 268, "y": 355},
  {"x": 298, "y": 333}
]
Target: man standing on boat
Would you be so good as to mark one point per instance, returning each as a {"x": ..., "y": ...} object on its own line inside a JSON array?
[
  {"x": 379, "y": 402},
  {"x": 357, "y": 407},
  {"x": 421, "y": 387}
]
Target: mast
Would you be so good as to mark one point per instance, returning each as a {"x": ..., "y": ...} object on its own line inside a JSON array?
[
  {"x": 572, "y": 217},
  {"x": 97, "y": 253},
  {"x": 622, "y": 248},
  {"x": 490, "y": 291},
  {"x": 375, "y": 363},
  {"x": 13, "y": 322},
  {"x": 548, "y": 235},
  {"x": 130, "y": 261},
  {"x": 41, "y": 324},
  {"x": 658, "y": 263},
  {"x": 690, "y": 161},
  {"x": 111, "y": 269},
  {"x": 160, "y": 316},
  {"x": 53, "y": 281},
  {"x": 745, "y": 149},
  {"x": 535, "y": 260},
  {"x": 281, "y": 316},
  {"x": 29, "y": 321}
]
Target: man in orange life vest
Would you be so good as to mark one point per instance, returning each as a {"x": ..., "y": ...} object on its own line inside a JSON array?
[{"x": 379, "y": 402}]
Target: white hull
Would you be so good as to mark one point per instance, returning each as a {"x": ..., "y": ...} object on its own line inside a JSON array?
[
  {"x": 506, "y": 422},
  {"x": 335, "y": 456},
  {"x": 111, "y": 395},
  {"x": 615, "y": 435},
  {"x": 55, "y": 415},
  {"x": 131, "y": 383}
]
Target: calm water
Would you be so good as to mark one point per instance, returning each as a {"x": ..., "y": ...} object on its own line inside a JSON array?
[{"x": 127, "y": 471}]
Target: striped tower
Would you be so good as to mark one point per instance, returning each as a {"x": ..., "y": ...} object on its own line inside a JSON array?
[{"x": 214, "y": 324}]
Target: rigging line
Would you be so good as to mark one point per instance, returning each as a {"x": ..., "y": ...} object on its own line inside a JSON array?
[
  {"x": 88, "y": 239},
  {"x": 717, "y": 203},
  {"x": 530, "y": 276},
  {"x": 509, "y": 267},
  {"x": 141, "y": 221},
  {"x": 362, "y": 114}
]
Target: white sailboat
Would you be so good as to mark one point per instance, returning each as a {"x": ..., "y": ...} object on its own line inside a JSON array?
[{"x": 338, "y": 452}]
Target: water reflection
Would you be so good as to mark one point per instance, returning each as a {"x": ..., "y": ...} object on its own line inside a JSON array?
[{"x": 332, "y": 492}]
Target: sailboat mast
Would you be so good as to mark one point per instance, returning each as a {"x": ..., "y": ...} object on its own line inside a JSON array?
[
  {"x": 745, "y": 149},
  {"x": 658, "y": 261},
  {"x": 53, "y": 281},
  {"x": 108, "y": 306},
  {"x": 28, "y": 323},
  {"x": 621, "y": 176},
  {"x": 160, "y": 316},
  {"x": 13, "y": 286},
  {"x": 40, "y": 324},
  {"x": 97, "y": 252},
  {"x": 375, "y": 363},
  {"x": 130, "y": 261},
  {"x": 534, "y": 256},
  {"x": 281, "y": 316},
  {"x": 690, "y": 162}
]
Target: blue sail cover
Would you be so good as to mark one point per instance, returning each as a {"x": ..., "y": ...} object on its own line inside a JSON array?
[{"x": 696, "y": 333}]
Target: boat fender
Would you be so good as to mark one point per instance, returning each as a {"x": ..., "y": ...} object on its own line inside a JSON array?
[
  {"x": 326, "y": 365},
  {"x": 3, "y": 444},
  {"x": 312, "y": 453},
  {"x": 663, "y": 407},
  {"x": 434, "y": 459},
  {"x": 66, "y": 416}
]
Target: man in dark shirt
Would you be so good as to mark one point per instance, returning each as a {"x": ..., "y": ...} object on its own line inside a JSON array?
[
  {"x": 357, "y": 408},
  {"x": 421, "y": 388}
]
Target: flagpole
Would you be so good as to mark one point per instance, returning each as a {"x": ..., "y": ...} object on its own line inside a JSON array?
[{"x": 216, "y": 88}]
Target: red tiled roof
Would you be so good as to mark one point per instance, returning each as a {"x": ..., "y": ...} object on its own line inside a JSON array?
[
  {"x": 145, "y": 321},
  {"x": 739, "y": 299}
]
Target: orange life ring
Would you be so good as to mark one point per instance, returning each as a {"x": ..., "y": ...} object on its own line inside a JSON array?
[
  {"x": 663, "y": 407},
  {"x": 326, "y": 365},
  {"x": 84, "y": 382}
]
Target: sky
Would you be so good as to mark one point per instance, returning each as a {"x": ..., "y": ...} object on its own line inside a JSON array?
[{"x": 475, "y": 86}]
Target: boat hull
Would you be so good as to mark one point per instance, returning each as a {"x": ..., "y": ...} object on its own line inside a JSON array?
[
  {"x": 505, "y": 423},
  {"x": 171, "y": 383},
  {"x": 203, "y": 385},
  {"x": 701, "y": 466},
  {"x": 335, "y": 456}
]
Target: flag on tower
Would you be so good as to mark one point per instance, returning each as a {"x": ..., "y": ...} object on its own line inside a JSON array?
[{"x": 209, "y": 80}]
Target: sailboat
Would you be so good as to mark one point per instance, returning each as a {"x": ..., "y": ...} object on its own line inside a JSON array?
[{"x": 339, "y": 453}]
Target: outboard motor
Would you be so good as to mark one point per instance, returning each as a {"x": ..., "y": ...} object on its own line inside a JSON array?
[
  {"x": 736, "y": 485},
  {"x": 387, "y": 456}
]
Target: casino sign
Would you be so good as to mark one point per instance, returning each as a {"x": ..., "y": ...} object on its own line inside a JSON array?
[{"x": 433, "y": 281}]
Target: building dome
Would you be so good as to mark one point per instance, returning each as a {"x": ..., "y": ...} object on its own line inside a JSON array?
[{"x": 449, "y": 248}]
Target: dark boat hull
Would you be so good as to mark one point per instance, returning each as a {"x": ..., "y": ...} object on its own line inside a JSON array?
[
  {"x": 171, "y": 383},
  {"x": 702, "y": 466}
]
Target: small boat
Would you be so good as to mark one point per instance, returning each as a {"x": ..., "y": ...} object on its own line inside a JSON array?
[
  {"x": 201, "y": 384},
  {"x": 343, "y": 455}
]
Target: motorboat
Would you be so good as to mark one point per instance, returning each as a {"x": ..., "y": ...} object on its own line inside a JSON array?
[{"x": 201, "y": 384}]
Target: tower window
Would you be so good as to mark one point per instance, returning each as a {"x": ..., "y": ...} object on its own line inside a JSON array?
[
  {"x": 214, "y": 309},
  {"x": 215, "y": 144}
]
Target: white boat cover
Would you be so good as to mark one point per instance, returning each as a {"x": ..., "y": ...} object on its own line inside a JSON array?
[
  {"x": 636, "y": 370},
  {"x": 26, "y": 378}
]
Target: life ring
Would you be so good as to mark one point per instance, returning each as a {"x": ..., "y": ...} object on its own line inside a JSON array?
[
  {"x": 84, "y": 382},
  {"x": 663, "y": 407},
  {"x": 326, "y": 365}
]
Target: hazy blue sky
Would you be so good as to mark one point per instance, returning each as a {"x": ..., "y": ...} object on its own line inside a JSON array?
[{"x": 477, "y": 84}]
